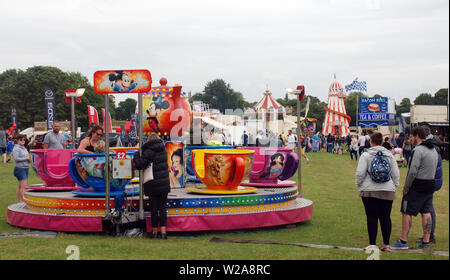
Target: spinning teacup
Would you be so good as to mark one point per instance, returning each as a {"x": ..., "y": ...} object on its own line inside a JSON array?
[
  {"x": 222, "y": 169},
  {"x": 88, "y": 170},
  {"x": 190, "y": 173},
  {"x": 51, "y": 165},
  {"x": 272, "y": 164}
]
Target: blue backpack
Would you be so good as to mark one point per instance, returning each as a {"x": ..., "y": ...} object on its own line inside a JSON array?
[{"x": 380, "y": 168}]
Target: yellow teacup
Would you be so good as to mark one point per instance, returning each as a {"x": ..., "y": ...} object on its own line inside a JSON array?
[{"x": 222, "y": 169}]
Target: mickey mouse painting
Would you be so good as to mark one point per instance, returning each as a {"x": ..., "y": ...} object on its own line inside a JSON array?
[
  {"x": 121, "y": 82},
  {"x": 154, "y": 111}
]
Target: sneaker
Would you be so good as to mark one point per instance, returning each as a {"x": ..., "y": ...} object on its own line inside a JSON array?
[
  {"x": 400, "y": 245},
  {"x": 424, "y": 245},
  {"x": 432, "y": 240},
  {"x": 307, "y": 160}
]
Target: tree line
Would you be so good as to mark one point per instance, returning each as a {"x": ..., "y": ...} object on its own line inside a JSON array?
[{"x": 25, "y": 91}]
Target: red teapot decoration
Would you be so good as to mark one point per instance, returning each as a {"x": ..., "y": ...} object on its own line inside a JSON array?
[{"x": 166, "y": 111}]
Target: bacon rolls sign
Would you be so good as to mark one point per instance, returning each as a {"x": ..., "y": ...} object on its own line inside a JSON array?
[{"x": 122, "y": 81}]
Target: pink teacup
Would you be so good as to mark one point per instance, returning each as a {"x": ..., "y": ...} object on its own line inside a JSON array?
[
  {"x": 52, "y": 166},
  {"x": 272, "y": 164}
]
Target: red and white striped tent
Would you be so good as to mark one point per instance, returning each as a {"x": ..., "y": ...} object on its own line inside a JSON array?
[
  {"x": 267, "y": 102},
  {"x": 336, "y": 119}
]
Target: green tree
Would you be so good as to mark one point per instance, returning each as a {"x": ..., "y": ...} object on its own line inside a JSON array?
[
  {"x": 441, "y": 97},
  {"x": 125, "y": 109},
  {"x": 316, "y": 110},
  {"x": 25, "y": 91},
  {"x": 424, "y": 99},
  {"x": 404, "y": 107},
  {"x": 221, "y": 96}
]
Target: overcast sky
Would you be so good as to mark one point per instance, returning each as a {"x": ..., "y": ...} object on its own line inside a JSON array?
[{"x": 401, "y": 48}]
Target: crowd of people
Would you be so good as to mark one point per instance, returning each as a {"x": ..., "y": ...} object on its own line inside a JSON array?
[{"x": 377, "y": 175}]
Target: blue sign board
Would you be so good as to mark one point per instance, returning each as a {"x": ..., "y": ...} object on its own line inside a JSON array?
[
  {"x": 373, "y": 105},
  {"x": 373, "y": 111}
]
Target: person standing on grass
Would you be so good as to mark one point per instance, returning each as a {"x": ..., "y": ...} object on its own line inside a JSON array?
[
  {"x": 330, "y": 143},
  {"x": 438, "y": 180},
  {"x": 354, "y": 148},
  {"x": 3, "y": 143},
  {"x": 9, "y": 149},
  {"x": 419, "y": 188},
  {"x": 291, "y": 140},
  {"x": 407, "y": 148},
  {"x": 362, "y": 142},
  {"x": 21, "y": 165},
  {"x": 154, "y": 151},
  {"x": 377, "y": 197}
]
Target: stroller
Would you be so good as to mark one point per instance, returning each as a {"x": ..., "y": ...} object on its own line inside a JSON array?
[{"x": 398, "y": 154}]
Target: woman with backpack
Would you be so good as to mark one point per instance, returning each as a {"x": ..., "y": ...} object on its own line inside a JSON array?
[{"x": 377, "y": 178}]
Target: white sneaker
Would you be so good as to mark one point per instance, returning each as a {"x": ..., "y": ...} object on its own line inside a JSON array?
[
  {"x": 307, "y": 160},
  {"x": 371, "y": 248}
]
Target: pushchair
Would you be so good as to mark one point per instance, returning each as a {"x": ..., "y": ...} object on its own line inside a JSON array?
[{"x": 398, "y": 154}]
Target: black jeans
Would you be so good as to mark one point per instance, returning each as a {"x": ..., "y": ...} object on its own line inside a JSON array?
[
  {"x": 158, "y": 210},
  {"x": 378, "y": 209}
]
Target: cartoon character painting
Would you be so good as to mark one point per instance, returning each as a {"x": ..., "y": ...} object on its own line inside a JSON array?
[
  {"x": 176, "y": 174},
  {"x": 276, "y": 166},
  {"x": 121, "y": 82},
  {"x": 154, "y": 111},
  {"x": 215, "y": 167},
  {"x": 166, "y": 110}
]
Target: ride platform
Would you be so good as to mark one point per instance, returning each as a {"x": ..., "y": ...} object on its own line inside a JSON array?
[{"x": 187, "y": 211}]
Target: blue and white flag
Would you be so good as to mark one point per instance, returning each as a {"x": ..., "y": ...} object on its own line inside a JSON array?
[{"x": 357, "y": 86}]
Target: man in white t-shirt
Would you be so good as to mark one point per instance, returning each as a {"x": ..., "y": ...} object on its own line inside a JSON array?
[
  {"x": 291, "y": 139},
  {"x": 362, "y": 142}
]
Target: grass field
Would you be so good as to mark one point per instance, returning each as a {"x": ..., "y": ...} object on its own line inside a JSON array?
[{"x": 338, "y": 219}]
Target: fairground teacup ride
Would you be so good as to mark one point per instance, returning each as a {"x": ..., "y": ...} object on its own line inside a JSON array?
[
  {"x": 272, "y": 167},
  {"x": 221, "y": 171},
  {"x": 189, "y": 168},
  {"x": 88, "y": 171},
  {"x": 51, "y": 165}
]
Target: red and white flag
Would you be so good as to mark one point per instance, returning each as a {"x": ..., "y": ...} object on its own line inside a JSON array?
[
  {"x": 109, "y": 121},
  {"x": 92, "y": 115}
]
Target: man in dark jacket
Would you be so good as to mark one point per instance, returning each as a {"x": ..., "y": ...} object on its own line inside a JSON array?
[{"x": 154, "y": 151}]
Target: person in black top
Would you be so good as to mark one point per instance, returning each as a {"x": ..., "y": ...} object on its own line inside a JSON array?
[
  {"x": 91, "y": 125},
  {"x": 386, "y": 144},
  {"x": 154, "y": 151},
  {"x": 88, "y": 143}
]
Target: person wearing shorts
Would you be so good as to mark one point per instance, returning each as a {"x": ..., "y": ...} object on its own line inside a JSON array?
[
  {"x": 419, "y": 188},
  {"x": 21, "y": 165},
  {"x": 415, "y": 202}
]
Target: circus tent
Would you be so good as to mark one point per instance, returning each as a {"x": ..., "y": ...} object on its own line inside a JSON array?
[
  {"x": 336, "y": 119},
  {"x": 267, "y": 102}
]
